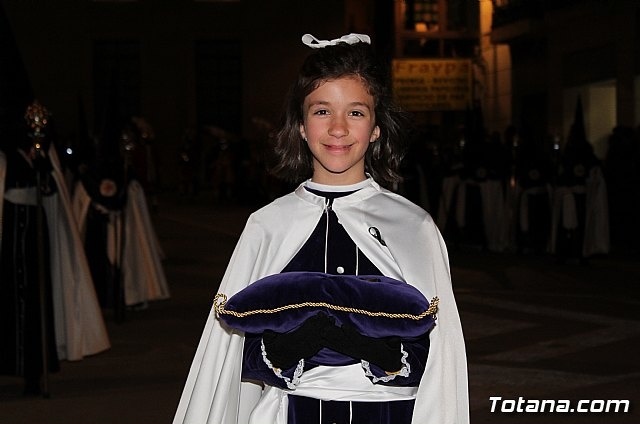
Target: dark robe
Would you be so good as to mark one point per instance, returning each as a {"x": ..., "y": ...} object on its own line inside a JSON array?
[
  {"x": 341, "y": 259},
  {"x": 20, "y": 308},
  {"x": 105, "y": 274}
]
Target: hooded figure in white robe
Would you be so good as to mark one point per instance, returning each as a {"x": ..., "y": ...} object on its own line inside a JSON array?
[
  {"x": 75, "y": 325},
  {"x": 132, "y": 244}
]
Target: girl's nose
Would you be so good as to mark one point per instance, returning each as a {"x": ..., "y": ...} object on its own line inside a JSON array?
[{"x": 338, "y": 127}]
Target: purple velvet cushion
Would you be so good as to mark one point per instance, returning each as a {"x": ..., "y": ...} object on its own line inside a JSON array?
[{"x": 376, "y": 306}]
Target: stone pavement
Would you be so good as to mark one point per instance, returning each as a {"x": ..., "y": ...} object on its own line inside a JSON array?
[
  {"x": 538, "y": 330},
  {"x": 534, "y": 330}
]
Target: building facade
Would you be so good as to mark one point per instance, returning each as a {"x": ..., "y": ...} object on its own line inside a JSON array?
[
  {"x": 555, "y": 52},
  {"x": 227, "y": 63},
  {"x": 178, "y": 64}
]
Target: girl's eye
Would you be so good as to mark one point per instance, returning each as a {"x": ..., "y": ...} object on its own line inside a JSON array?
[
  {"x": 356, "y": 113},
  {"x": 320, "y": 112}
]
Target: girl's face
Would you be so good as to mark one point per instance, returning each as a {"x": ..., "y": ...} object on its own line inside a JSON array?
[{"x": 339, "y": 124}]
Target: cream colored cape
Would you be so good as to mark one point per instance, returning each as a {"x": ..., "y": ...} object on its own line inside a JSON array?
[
  {"x": 414, "y": 252},
  {"x": 596, "y": 226},
  {"x": 140, "y": 256},
  {"x": 79, "y": 325}
]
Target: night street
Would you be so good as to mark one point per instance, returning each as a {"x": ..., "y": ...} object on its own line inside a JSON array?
[{"x": 515, "y": 123}]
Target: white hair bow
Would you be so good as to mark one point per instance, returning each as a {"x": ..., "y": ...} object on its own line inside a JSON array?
[{"x": 352, "y": 38}]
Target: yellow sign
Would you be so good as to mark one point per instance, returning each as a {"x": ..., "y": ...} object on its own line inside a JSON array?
[{"x": 432, "y": 84}]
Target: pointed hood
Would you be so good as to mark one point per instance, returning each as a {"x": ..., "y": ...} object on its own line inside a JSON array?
[{"x": 578, "y": 133}]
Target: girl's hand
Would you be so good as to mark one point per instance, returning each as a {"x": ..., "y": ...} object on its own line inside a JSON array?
[{"x": 284, "y": 350}]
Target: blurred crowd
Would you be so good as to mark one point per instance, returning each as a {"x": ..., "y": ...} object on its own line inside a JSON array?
[
  {"x": 233, "y": 168},
  {"x": 512, "y": 192},
  {"x": 76, "y": 241},
  {"x": 506, "y": 191}
]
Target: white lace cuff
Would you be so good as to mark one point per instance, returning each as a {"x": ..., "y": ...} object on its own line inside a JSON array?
[
  {"x": 291, "y": 382},
  {"x": 404, "y": 371}
]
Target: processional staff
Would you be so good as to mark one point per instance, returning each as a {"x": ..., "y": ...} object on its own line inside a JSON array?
[{"x": 37, "y": 118}]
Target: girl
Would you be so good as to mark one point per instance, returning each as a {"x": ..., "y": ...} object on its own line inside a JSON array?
[{"x": 342, "y": 137}]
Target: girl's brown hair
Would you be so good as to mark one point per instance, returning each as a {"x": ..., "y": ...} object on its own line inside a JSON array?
[{"x": 384, "y": 156}]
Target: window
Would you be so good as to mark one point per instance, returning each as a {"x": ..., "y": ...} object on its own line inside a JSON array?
[
  {"x": 116, "y": 85},
  {"x": 219, "y": 83}
]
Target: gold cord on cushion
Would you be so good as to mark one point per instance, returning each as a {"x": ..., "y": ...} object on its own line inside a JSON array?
[{"x": 220, "y": 300}]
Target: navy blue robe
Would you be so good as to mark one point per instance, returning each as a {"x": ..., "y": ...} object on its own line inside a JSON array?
[{"x": 341, "y": 259}]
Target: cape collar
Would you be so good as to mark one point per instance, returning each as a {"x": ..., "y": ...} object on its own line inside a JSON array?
[{"x": 365, "y": 192}]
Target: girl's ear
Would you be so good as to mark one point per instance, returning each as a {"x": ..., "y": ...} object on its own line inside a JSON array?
[
  {"x": 302, "y": 132},
  {"x": 375, "y": 134}
]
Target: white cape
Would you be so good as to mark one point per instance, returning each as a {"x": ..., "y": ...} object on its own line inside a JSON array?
[
  {"x": 596, "y": 227},
  {"x": 79, "y": 325},
  {"x": 414, "y": 252},
  {"x": 142, "y": 260},
  {"x": 140, "y": 257},
  {"x": 493, "y": 211}
]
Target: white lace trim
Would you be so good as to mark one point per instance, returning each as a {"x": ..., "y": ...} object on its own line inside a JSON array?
[
  {"x": 291, "y": 382},
  {"x": 404, "y": 371}
]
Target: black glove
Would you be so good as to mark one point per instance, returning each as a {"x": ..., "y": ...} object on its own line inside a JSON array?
[
  {"x": 284, "y": 350},
  {"x": 383, "y": 352}
]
